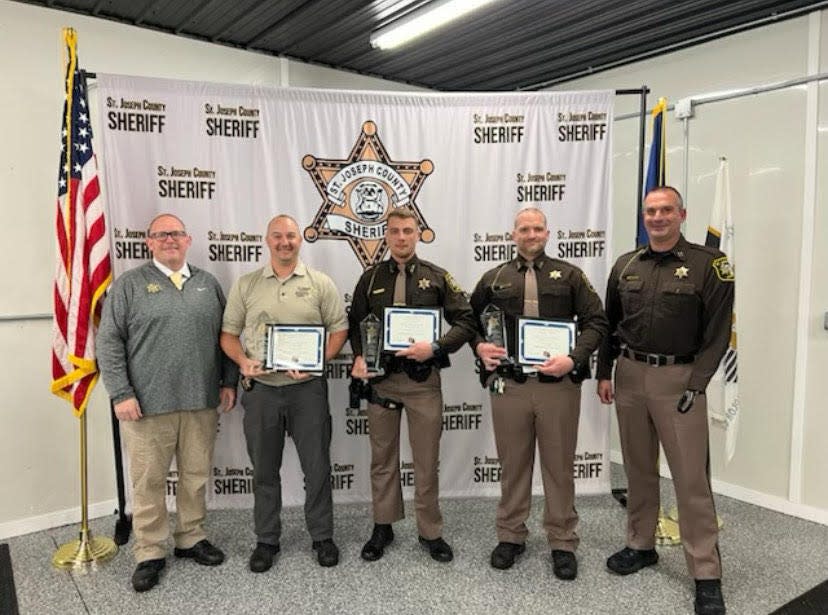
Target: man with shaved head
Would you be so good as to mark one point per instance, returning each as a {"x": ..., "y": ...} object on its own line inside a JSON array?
[
  {"x": 541, "y": 407},
  {"x": 159, "y": 355},
  {"x": 285, "y": 291}
]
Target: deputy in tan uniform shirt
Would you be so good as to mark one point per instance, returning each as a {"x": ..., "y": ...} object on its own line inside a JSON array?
[
  {"x": 669, "y": 307},
  {"x": 545, "y": 406},
  {"x": 412, "y": 380}
]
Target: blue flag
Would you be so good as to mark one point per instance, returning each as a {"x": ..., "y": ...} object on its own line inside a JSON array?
[{"x": 656, "y": 166}]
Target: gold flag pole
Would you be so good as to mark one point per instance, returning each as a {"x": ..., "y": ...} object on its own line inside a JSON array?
[
  {"x": 79, "y": 554},
  {"x": 88, "y": 549}
]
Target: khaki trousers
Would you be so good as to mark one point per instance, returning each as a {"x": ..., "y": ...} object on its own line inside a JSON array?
[
  {"x": 151, "y": 443},
  {"x": 645, "y": 400},
  {"x": 424, "y": 410},
  {"x": 546, "y": 413}
]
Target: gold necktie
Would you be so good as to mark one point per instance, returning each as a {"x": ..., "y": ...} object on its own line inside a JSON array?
[
  {"x": 177, "y": 279},
  {"x": 530, "y": 292},
  {"x": 399, "y": 286}
]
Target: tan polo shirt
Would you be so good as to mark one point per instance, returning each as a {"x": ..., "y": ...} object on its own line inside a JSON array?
[{"x": 307, "y": 297}]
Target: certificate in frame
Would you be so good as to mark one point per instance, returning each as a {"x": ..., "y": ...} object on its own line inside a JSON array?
[
  {"x": 540, "y": 339},
  {"x": 297, "y": 347},
  {"x": 402, "y": 326}
]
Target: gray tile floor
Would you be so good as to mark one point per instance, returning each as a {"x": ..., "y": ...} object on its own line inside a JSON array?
[{"x": 768, "y": 558}]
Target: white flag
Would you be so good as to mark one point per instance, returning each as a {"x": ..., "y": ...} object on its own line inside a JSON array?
[{"x": 723, "y": 390}]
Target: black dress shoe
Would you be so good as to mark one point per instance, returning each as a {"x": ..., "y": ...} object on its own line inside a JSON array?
[
  {"x": 262, "y": 557},
  {"x": 438, "y": 549},
  {"x": 381, "y": 537},
  {"x": 327, "y": 553},
  {"x": 564, "y": 565},
  {"x": 505, "y": 553},
  {"x": 146, "y": 574},
  {"x": 203, "y": 553},
  {"x": 627, "y": 560},
  {"x": 709, "y": 599}
]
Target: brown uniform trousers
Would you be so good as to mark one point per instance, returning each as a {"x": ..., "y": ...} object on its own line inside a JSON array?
[
  {"x": 645, "y": 399},
  {"x": 423, "y": 403},
  {"x": 548, "y": 413}
]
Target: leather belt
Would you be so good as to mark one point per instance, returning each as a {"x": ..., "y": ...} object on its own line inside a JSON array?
[{"x": 657, "y": 360}]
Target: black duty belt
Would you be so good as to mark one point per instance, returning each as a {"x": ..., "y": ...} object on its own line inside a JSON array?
[
  {"x": 655, "y": 359},
  {"x": 517, "y": 374}
]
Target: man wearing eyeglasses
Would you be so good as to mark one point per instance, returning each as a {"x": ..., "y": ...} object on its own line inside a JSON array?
[{"x": 159, "y": 355}]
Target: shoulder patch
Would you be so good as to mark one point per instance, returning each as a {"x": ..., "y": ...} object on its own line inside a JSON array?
[
  {"x": 587, "y": 282},
  {"x": 724, "y": 270},
  {"x": 452, "y": 283}
]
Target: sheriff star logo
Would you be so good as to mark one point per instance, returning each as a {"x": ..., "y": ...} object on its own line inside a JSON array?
[
  {"x": 359, "y": 191},
  {"x": 724, "y": 270},
  {"x": 681, "y": 272},
  {"x": 555, "y": 274},
  {"x": 424, "y": 283}
]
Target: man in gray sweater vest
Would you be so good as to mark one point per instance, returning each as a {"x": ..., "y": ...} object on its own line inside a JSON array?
[{"x": 159, "y": 355}]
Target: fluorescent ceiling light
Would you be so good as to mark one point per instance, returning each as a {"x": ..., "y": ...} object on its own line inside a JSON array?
[{"x": 424, "y": 20}]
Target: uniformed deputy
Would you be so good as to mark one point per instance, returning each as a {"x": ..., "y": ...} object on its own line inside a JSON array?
[
  {"x": 285, "y": 291},
  {"x": 544, "y": 406},
  {"x": 669, "y": 307},
  {"x": 412, "y": 380}
]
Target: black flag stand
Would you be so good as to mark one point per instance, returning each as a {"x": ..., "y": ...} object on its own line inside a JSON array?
[
  {"x": 620, "y": 494},
  {"x": 123, "y": 526}
]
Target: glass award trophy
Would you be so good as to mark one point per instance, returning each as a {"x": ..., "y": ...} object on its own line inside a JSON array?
[
  {"x": 494, "y": 328},
  {"x": 370, "y": 332}
]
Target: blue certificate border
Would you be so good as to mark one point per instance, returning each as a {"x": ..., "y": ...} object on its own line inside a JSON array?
[
  {"x": 523, "y": 323},
  {"x": 318, "y": 366},
  {"x": 387, "y": 345}
]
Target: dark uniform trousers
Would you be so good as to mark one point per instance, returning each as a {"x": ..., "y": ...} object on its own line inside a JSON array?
[
  {"x": 645, "y": 399},
  {"x": 547, "y": 412},
  {"x": 423, "y": 403},
  {"x": 301, "y": 411}
]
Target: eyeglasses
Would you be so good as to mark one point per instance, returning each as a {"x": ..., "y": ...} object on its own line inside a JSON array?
[{"x": 162, "y": 235}]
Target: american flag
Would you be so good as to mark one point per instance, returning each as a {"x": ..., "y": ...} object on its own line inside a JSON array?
[{"x": 83, "y": 262}]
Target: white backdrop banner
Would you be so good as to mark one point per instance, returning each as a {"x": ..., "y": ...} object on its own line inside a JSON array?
[{"x": 226, "y": 158}]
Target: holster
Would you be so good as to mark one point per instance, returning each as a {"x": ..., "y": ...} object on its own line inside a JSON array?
[
  {"x": 418, "y": 372},
  {"x": 385, "y": 402},
  {"x": 359, "y": 389}
]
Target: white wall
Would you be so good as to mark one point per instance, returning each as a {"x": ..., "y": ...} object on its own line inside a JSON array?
[
  {"x": 764, "y": 138},
  {"x": 38, "y": 434},
  {"x": 814, "y": 485}
]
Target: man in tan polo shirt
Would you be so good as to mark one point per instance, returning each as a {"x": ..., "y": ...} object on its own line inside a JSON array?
[{"x": 285, "y": 291}]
